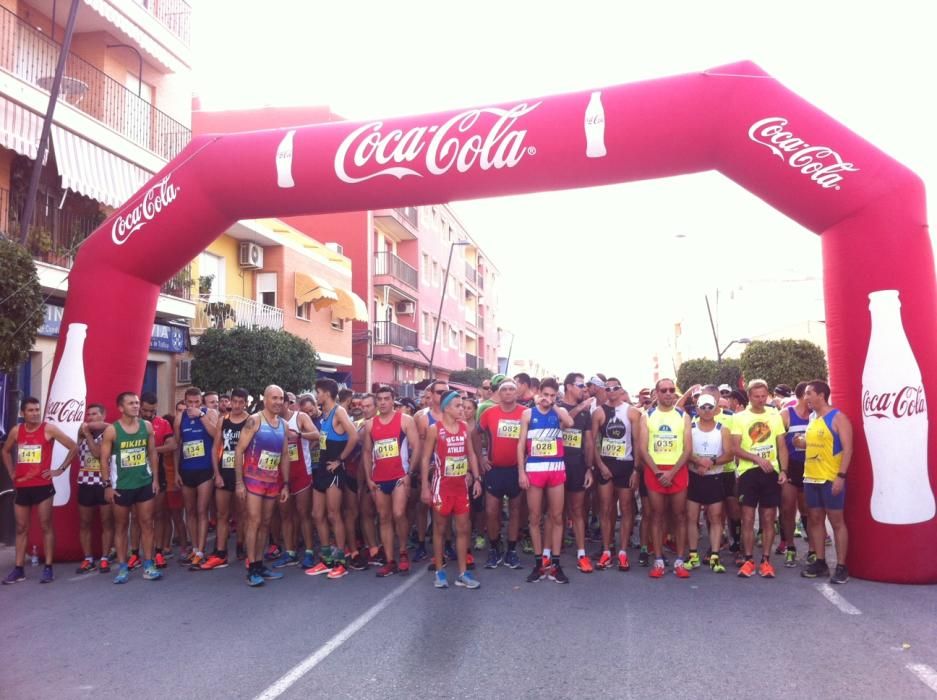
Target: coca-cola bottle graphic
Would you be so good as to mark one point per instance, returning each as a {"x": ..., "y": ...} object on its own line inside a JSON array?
[
  {"x": 66, "y": 403},
  {"x": 285, "y": 161},
  {"x": 595, "y": 127},
  {"x": 894, "y": 416}
]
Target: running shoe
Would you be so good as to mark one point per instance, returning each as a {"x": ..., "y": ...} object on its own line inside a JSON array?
[
  {"x": 748, "y": 569},
  {"x": 766, "y": 570},
  {"x": 840, "y": 574},
  {"x": 273, "y": 552},
  {"x": 186, "y": 559},
  {"x": 111, "y": 555},
  {"x": 270, "y": 575},
  {"x": 358, "y": 562},
  {"x": 168, "y": 553},
  {"x": 309, "y": 560},
  {"x": 644, "y": 558},
  {"x": 320, "y": 568},
  {"x": 811, "y": 557},
  {"x": 799, "y": 532},
  {"x": 693, "y": 561},
  {"x": 378, "y": 558},
  {"x": 47, "y": 575},
  {"x": 284, "y": 560},
  {"x": 828, "y": 541},
  {"x": 159, "y": 560},
  {"x": 420, "y": 553},
  {"x": 557, "y": 574},
  {"x": 739, "y": 558},
  {"x": 527, "y": 546},
  {"x": 816, "y": 569},
  {"x": 214, "y": 562},
  {"x": 480, "y": 542},
  {"x": 536, "y": 573},
  {"x": 151, "y": 573},
  {"x": 781, "y": 548},
  {"x": 134, "y": 562},
  {"x": 790, "y": 558},
  {"x": 87, "y": 566},
  {"x": 670, "y": 544},
  {"x": 403, "y": 566},
  {"x": 389, "y": 569},
  {"x": 585, "y": 564},
  {"x": 716, "y": 565},
  {"x": 440, "y": 580},
  {"x": 469, "y": 561},
  {"x": 605, "y": 561},
  {"x": 681, "y": 571},
  {"x": 623, "y": 563},
  {"x": 195, "y": 563},
  {"x": 123, "y": 574},
  {"x": 338, "y": 570},
  {"x": 254, "y": 579},
  {"x": 735, "y": 547},
  {"x": 657, "y": 571},
  {"x": 511, "y": 560},
  {"x": 241, "y": 553},
  {"x": 494, "y": 558},
  {"x": 104, "y": 566},
  {"x": 17, "y": 575},
  {"x": 449, "y": 552},
  {"x": 467, "y": 580}
]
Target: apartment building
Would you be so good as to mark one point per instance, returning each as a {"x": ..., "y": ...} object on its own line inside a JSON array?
[{"x": 123, "y": 112}]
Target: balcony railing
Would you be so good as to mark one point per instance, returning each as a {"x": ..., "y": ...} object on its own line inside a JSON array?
[
  {"x": 480, "y": 279},
  {"x": 55, "y": 234},
  {"x": 471, "y": 361},
  {"x": 410, "y": 215},
  {"x": 175, "y": 15},
  {"x": 480, "y": 322},
  {"x": 387, "y": 263},
  {"x": 471, "y": 274},
  {"x": 390, "y": 333},
  {"x": 31, "y": 56},
  {"x": 235, "y": 312},
  {"x": 181, "y": 284}
]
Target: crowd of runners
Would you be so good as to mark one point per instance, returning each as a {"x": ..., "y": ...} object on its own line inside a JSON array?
[{"x": 335, "y": 481}]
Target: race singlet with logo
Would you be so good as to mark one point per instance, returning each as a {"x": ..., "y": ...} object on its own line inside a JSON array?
[{"x": 131, "y": 457}]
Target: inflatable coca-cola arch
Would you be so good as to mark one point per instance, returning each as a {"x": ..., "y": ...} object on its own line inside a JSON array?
[{"x": 868, "y": 208}]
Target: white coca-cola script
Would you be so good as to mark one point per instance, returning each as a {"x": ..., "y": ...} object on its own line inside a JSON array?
[
  {"x": 68, "y": 411},
  {"x": 821, "y": 163},
  {"x": 160, "y": 195},
  {"x": 907, "y": 401},
  {"x": 368, "y": 153}
]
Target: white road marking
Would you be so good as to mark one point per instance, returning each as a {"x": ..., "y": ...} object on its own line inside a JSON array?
[
  {"x": 925, "y": 674},
  {"x": 81, "y": 577},
  {"x": 314, "y": 659},
  {"x": 826, "y": 590}
]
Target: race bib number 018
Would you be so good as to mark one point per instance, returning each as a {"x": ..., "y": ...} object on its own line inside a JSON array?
[
  {"x": 509, "y": 429},
  {"x": 387, "y": 448}
]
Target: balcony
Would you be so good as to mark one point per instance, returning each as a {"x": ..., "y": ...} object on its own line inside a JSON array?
[
  {"x": 175, "y": 15},
  {"x": 32, "y": 57},
  {"x": 472, "y": 361},
  {"x": 181, "y": 284},
  {"x": 390, "y": 333},
  {"x": 401, "y": 224},
  {"x": 55, "y": 234},
  {"x": 235, "y": 312},
  {"x": 471, "y": 274},
  {"x": 388, "y": 264}
]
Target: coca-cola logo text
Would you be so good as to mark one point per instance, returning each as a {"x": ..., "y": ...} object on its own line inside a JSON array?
[
  {"x": 821, "y": 163},
  {"x": 907, "y": 401},
  {"x": 68, "y": 411},
  {"x": 440, "y": 147},
  {"x": 160, "y": 195}
]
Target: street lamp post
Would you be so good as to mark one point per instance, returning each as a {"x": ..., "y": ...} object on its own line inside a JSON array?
[
  {"x": 442, "y": 298},
  {"x": 720, "y": 353}
]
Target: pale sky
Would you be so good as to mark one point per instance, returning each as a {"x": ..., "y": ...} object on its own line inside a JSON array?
[{"x": 868, "y": 64}]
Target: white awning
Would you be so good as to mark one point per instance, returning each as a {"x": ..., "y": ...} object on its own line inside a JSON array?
[
  {"x": 136, "y": 34},
  {"x": 90, "y": 170},
  {"x": 20, "y": 129}
]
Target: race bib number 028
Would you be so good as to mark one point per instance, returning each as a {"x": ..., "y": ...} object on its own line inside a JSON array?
[{"x": 543, "y": 448}]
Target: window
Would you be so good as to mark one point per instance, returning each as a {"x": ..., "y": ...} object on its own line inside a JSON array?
[
  {"x": 212, "y": 266},
  {"x": 453, "y": 338},
  {"x": 302, "y": 311},
  {"x": 437, "y": 277},
  {"x": 445, "y": 335},
  {"x": 425, "y": 327},
  {"x": 337, "y": 323},
  {"x": 425, "y": 268}
]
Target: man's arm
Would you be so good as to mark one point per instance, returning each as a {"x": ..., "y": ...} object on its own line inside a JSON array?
[
  {"x": 54, "y": 432},
  {"x": 413, "y": 438},
  {"x": 341, "y": 415},
  {"x": 210, "y": 420},
  {"x": 247, "y": 434},
  {"x": 522, "y": 441},
  {"x": 285, "y": 465},
  {"x": 367, "y": 453},
  {"x": 843, "y": 426},
  {"x": 727, "y": 454},
  {"x": 107, "y": 448},
  {"x": 8, "y": 452},
  {"x": 307, "y": 429},
  {"x": 216, "y": 453},
  {"x": 642, "y": 446},
  {"x": 566, "y": 420},
  {"x": 687, "y": 444},
  {"x": 428, "y": 446},
  {"x": 152, "y": 456}
]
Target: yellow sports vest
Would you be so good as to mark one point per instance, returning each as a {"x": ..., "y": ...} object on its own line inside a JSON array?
[{"x": 665, "y": 432}]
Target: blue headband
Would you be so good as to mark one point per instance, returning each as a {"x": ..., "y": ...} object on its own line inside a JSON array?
[{"x": 448, "y": 398}]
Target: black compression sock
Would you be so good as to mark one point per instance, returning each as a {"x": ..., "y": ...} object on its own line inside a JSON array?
[{"x": 512, "y": 545}]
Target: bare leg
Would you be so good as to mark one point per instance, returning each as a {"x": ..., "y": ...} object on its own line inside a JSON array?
[
  {"x": 223, "y": 510},
  {"x": 534, "y": 515},
  {"x": 463, "y": 529},
  {"x": 626, "y": 506},
  {"x": 678, "y": 509},
  {"x": 48, "y": 533},
  {"x": 204, "y": 499},
  {"x": 715, "y": 517},
  {"x": 143, "y": 514},
  {"x": 556, "y": 498},
  {"x": 692, "y": 525}
]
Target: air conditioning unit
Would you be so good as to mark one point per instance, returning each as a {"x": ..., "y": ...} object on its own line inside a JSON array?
[
  {"x": 406, "y": 308},
  {"x": 251, "y": 256},
  {"x": 184, "y": 372},
  {"x": 337, "y": 247}
]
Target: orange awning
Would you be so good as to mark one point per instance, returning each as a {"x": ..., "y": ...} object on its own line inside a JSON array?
[
  {"x": 350, "y": 306},
  {"x": 311, "y": 289}
]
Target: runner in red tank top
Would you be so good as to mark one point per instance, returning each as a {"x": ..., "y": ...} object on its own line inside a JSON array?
[
  {"x": 31, "y": 474},
  {"x": 390, "y": 441},
  {"x": 449, "y": 496}
]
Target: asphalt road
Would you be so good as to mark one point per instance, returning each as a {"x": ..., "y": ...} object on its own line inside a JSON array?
[{"x": 608, "y": 634}]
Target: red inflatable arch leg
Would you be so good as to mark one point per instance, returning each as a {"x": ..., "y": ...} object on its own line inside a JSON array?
[{"x": 868, "y": 208}]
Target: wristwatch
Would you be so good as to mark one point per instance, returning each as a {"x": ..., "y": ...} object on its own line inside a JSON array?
[{"x": 841, "y": 475}]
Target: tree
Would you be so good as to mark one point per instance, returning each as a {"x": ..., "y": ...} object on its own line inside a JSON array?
[
  {"x": 253, "y": 358},
  {"x": 21, "y": 303},
  {"x": 705, "y": 371},
  {"x": 472, "y": 377},
  {"x": 785, "y": 361}
]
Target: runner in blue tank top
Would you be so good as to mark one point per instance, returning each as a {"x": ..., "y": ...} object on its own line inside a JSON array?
[{"x": 796, "y": 418}]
